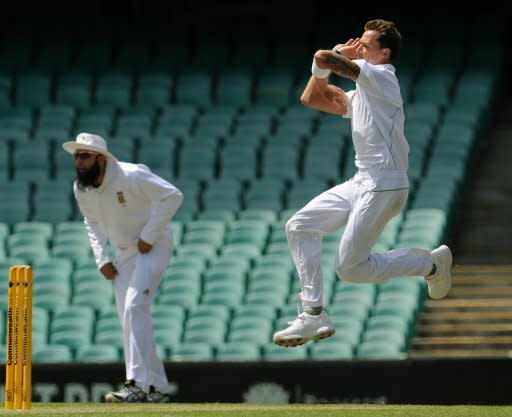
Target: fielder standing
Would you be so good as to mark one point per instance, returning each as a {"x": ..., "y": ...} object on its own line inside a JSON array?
[
  {"x": 373, "y": 196},
  {"x": 130, "y": 207}
]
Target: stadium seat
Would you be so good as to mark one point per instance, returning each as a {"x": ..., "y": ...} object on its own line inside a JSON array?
[
  {"x": 77, "y": 254},
  {"x": 187, "y": 288},
  {"x": 239, "y": 324},
  {"x": 111, "y": 337},
  {"x": 97, "y": 353},
  {"x": 259, "y": 123},
  {"x": 186, "y": 299},
  {"x": 114, "y": 90},
  {"x": 44, "y": 229},
  {"x": 378, "y": 350},
  {"x": 331, "y": 349},
  {"x": 249, "y": 334},
  {"x": 273, "y": 352},
  {"x": 167, "y": 328},
  {"x": 234, "y": 88},
  {"x": 33, "y": 89},
  {"x": 71, "y": 338},
  {"x": 392, "y": 337},
  {"x": 238, "y": 351},
  {"x": 104, "y": 290},
  {"x": 222, "y": 296},
  {"x": 31, "y": 251},
  {"x": 31, "y": 160},
  {"x": 264, "y": 311},
  {"x": 224, "y": 215},
  {"x": 154, "y": 89},
  {"x": 269, "y": 298},
  {"x": 206, "y": 251},
  {"x": 52, "y": 353},
  {"x": 195, "y": 351},
  {"x": 40, "y": 327},
  {"x": 204, "y": 311},
  {"x": 274, "y": 88},
  {"x": 349, "y": 310},
  {"x": 194, "y": 89},
  {"x": 159, "y": 153}
]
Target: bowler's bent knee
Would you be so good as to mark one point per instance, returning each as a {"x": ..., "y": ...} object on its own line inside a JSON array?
[{"x": 351, "y": 274}]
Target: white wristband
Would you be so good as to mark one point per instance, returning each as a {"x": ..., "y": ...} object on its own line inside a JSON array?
[{"x": 319, "y": 72}]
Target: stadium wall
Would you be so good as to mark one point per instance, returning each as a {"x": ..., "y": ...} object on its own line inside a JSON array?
[{"x": 426, "y": 381}]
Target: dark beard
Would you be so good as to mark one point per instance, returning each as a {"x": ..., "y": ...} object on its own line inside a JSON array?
[{"x": 89, "y": 177}]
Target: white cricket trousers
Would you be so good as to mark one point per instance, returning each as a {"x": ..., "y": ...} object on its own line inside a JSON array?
[
  {"x": 364, "y": 213},
  {"x": 135, "y": 289}
]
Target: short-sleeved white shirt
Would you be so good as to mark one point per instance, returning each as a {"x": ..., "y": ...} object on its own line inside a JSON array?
[{"x": 377, "y": 120}]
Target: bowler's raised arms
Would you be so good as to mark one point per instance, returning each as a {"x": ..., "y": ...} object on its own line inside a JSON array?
[{"x": 339, "y": 64}]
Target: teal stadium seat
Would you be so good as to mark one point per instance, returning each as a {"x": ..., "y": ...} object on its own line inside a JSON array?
[
  {"x": 273, "y": 352},
  {"x": 192, "y": 352},
  {"x": 74, "y": 89},
  {"x": 204, "y": 330},
  {"x": 331, "y": 349},
  {"x": 114, "y": 89},
  {"x": 53, "y": 353},
  {"x": 377, "y": 349},
  {"x": 32, "y": 89},
  {"x": 242, "y": 327},
  {"x": 72, "y": 326},
  {"x": 97, "y": 294},
  {"x": 238, "y": 351},
  {"x": 97, "y": 353},
  {"x": 154, "y": 89},
  {"x": 234, "y": 88},
  {"x": 134, "y": 125},
  {"x": 194, "y": 89},
  {"x": 31, "y": 161}
]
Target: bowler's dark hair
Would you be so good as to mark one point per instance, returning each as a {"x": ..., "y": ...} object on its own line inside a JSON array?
[{"x": 389, "y": 36}]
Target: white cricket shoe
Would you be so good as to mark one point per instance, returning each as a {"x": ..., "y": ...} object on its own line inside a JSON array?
[
  {"x": 440, "y": 283},
  {"x": 130, "y": 393},
  {"x": 304, "y": 328}
]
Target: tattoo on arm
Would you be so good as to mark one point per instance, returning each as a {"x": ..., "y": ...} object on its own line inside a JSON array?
[{"x": 342, "y": 66}]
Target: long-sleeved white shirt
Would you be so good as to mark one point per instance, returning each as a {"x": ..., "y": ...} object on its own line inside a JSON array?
[
  {"x": 132, "y": 203},
  {"x": 376, "y": 110}
]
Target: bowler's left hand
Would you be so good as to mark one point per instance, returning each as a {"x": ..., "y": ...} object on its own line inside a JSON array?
[{"x": 144, "y": 247}]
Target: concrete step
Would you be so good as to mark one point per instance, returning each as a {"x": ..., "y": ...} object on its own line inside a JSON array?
[
  {"x": 457, "y": 341},
  {"x": 464, "y": 328},
  {"x": 475, "y": 319},
  {"x": 466, "y": 317},
  {"x": 472, "y": 352}
]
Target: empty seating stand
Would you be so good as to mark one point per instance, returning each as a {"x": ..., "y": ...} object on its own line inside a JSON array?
[{"x": 236, "y": 140}]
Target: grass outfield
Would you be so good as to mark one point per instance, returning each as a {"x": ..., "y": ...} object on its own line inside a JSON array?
[{"x": 256, "y": 410}]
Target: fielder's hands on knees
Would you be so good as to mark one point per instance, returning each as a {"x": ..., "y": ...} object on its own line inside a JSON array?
[
  {"x": 144, "y": 247},
  {"x": 109, "y": 271}
]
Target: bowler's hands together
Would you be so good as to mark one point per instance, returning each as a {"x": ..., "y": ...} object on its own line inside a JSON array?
[
  {"x": 144, "y": 247},
  {"x": 109, "y": 271},
  {"x": 350, "y": 49}
]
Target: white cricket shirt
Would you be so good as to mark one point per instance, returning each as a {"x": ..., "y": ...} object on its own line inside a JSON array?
[
  {"x": 377, "y": 121},
  {"x": 131, "y": 203}
]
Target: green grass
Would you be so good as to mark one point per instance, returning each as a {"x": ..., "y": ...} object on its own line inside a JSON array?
[{"x": 257, "y": 410}]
